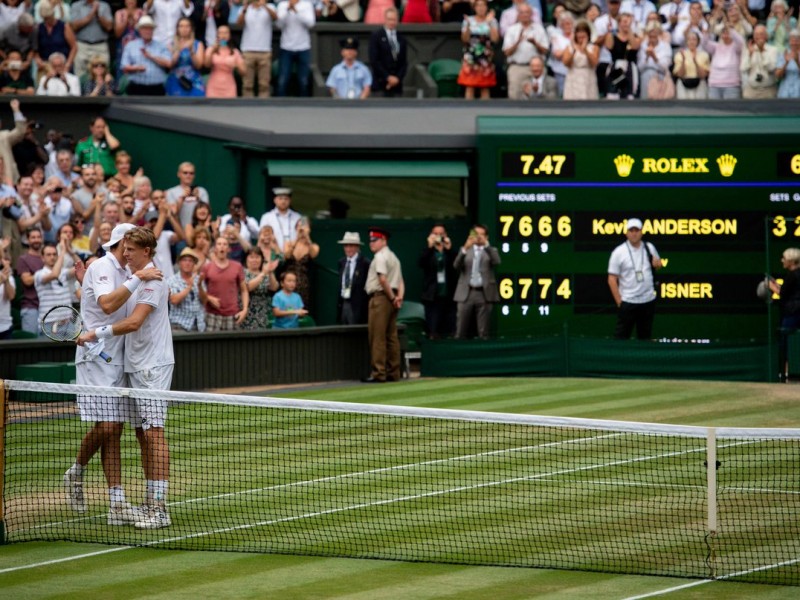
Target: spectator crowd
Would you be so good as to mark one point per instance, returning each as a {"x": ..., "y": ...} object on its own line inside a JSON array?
[
  {"x": 525, "y": 49},
  {"x": 223, "y": 273}
]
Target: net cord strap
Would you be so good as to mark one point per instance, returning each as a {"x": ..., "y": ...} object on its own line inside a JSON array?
[{"x": 699, "y": 432}]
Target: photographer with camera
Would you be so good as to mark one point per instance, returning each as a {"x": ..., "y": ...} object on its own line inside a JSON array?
[
  {"x": 58, "y": 81},
  {"x": 476, "y": 290},
  {"x": 438, "y": 283},
  {"x": 759, "y": 62},
  {"x": 237, "y": 214}
]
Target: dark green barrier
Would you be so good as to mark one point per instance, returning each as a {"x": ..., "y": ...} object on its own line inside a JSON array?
[{"x": 590, "y": 357}]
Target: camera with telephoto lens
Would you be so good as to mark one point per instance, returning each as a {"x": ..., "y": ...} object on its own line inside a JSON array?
[{"x": 759, "y": 78}]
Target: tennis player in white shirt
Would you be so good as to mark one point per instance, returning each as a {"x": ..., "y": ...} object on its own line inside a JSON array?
[
  {"x": 149, "y": 363},
  {"x": 106, "y": 286}
]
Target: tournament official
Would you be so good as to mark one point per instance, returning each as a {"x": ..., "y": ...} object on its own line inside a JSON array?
[
  {"x": 386, "y": 289},
  {"x": 631, "y": 281}
]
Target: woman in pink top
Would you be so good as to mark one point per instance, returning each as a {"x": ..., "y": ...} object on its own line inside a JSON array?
[
  {"x": 376, "y": 11},
  {"x": 222, "y": 59},
  {"x": 724, "y": 79}
]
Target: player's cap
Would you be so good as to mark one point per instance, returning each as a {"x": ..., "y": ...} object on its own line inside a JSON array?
[
  {"x": 351, "y": 237},
  {"x": 634, "y": 224},
  {"x": 146, "y": 21},
  {"x": 117, "y": 234},
  {"x": 282, "y": 191},
  {"x": 190, "y": 253},
  {"x": 378, "y": 233}
]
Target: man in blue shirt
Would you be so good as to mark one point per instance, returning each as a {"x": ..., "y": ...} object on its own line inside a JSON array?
[
  {"x": 146, "y": 61},
  {"x": 351, "y": 78}
]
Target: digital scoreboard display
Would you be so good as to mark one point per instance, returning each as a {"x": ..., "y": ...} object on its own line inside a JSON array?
[{"x": 719, "y": 214}]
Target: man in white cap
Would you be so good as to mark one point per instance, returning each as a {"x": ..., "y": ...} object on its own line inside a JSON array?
[
  {"x": 282, "y": 218},
  {"x": 146, "y": 61},
  {"x": 353, "y": 269},
  {"x": 106, "y": 286},
  {"x": 630, "y": 279}
]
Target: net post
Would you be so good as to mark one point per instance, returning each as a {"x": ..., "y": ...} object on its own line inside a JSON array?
[
  {"x": 4, "y": 392},
  {"x": 711, "y": 482}
]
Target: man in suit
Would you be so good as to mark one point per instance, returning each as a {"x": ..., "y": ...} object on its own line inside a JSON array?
[
  {"x": 387, "y": 56},
  {"x": 540, "y": 85},
  {"x": 353, "y": 269},
  {"x": 476, "y": 290},
  {"x": 438, "y": 283}
]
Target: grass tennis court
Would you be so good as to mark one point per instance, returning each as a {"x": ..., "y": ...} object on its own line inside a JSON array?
[{"x": 199, "y": 574}]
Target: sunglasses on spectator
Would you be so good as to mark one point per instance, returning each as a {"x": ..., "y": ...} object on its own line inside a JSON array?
[
  {"x": 87, "y": 166},
  {"x": 76, "y": 221},
  {"x": 237, "y": 205},
  {"x": 188, "y": 172}
]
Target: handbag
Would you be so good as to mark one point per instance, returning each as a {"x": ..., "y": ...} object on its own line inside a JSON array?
[
  {"x": 185, "y": 82},
  {"x": 689, "y": 83},
  {"x": 660, "y": 88}
]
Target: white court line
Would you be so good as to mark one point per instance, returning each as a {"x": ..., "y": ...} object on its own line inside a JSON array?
[
  {"x": 331, "y": 478},
  {"x": 55, "y": 561},
  {"x": 721, "y": 578},
  {"x": 384, "y": 502}
]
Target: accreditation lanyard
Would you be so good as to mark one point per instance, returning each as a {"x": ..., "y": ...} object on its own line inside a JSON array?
[{"x": 640, "y": 271}]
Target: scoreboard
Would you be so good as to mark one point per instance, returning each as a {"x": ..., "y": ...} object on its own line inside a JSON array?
[{"x": 720, "y": 208}]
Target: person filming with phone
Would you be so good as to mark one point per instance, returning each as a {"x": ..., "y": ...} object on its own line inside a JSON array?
[{"x": 476, "y": 290}]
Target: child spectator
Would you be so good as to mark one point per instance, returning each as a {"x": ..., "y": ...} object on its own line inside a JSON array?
[{"x": 287, "y": 305}]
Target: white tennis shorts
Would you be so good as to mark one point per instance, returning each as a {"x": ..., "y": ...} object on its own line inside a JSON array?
[
  {"x": 151, "y": 412},
  {"x": 115, "y": 409}
]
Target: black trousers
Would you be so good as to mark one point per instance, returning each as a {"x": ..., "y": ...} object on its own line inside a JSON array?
[{"x": 635, "y": 315}]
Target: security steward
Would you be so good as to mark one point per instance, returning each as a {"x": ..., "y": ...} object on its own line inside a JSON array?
[{"x": 386, "y": 289}]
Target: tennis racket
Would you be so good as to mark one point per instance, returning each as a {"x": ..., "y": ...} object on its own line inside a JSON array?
[{"x": 64, "y": 324}]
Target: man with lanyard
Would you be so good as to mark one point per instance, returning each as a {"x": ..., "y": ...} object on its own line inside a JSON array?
[
  {"x": 106, "y": 287},
  {"x": 630, "y": 279},
  {"x": 282, "y": 218},
  {"x": 386, "y": 288}
]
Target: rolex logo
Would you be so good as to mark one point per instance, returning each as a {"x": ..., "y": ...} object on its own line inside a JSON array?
[
  {"x": 726, "y": 163},
  {"x": 624, "y": 163}
]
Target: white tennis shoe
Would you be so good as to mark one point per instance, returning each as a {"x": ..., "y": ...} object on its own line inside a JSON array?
[
  {"x": 125, "y": 513},
  {"x": 156, "y": 517},
  {"x": 73, "y": 484}
]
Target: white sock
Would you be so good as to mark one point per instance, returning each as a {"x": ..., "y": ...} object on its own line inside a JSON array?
[
  {"x": 160, "y": 489},
  {"x": 151, "y": 491},
  {"x": 116, "y": 495},
  {"x": 77, "y": 469}
]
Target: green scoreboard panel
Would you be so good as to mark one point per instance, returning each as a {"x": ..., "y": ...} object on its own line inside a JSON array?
[{"x": 719, "y": 208}]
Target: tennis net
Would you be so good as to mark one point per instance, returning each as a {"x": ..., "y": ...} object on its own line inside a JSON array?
[{"x": 391, "y": 482}]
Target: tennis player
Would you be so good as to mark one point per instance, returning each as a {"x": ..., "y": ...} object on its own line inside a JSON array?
[
  {"x": 106, "y": 286},
  {"x": 149, "y": 362}
]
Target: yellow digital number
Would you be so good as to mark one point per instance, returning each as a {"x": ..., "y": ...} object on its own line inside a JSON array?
[
  {"x": 506, "y": 289},
  {"x": 559, "y": 159},
  {"x": 797, "y": 229},
  {"x": 527, "y": 161},
  {"x": 563, "y": 290},
  {"x": 525, "y": 226},
  {"x": 525, "y": 284},
  {"x": 545, "y": 226},
  {"x": 564, "y": 226},
  {"x": 546, "y": 166},
  {"x": 506, "y": 220},
  {"x": 545, "y": 283},
  {"x": 794, "y": 164},
  {"x": 780, "y": 227}
]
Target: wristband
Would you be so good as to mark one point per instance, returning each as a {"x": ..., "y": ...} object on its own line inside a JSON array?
[
  {"x": 132, "y": 284},
  {"x": 105, "y": 332}
]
